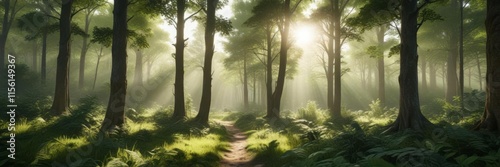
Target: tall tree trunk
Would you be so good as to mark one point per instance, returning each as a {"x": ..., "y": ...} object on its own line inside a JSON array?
[
  {"x": 179, "y": 105},
  {"x": 329, "y": 73},
  {"x": 97, "y": 67},
  {"x": 410, "y": 116},
  {"x": 43, "y": 69},
  {"x": 424, "y": 75},
  {"x": 206, "y": 96},
  {"x": 432, "y": 76},
  {"x": 491, "y": 116},
  {"x": 452, "y": 78},
  {"x": 138, "y": 68},
  {"x": 115, "y": 112},
  {"x": 83, "y": 53},
  {"x": 280, "y": 83},
  {"x": 470, "y": 78},
  {"x": 269, "y": 73},
  {"x": 479, "y": 72},
  {"x": 338, "y": 73},
  {"x": 61, "y": 96},
  {"x": 254, "y": 98},
  {"x": 8, "y": 17},
  {"x": 245, "y": 84},
  {"x": 381, "y": 65},
  {"x": 35, "y": 56}
]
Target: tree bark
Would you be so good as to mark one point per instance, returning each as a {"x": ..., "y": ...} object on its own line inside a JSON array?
[
  {"x": 432, "y": 76},
  {"x": 479, "y": 73},
  {"x": 138, "y": 78},
  {"x": 336, "y": 112},
  {"x": 410, "y": 116},
  {"x": 179, "y": 105},
  {"x": 83, "y": 53},
  {"x": 451, "y": 71},
  {"x": 330, "y": 64},
  {"x": 35, "y": 56},
  {"x": 280, "y": 83},
  {"x": 269, "y": 73},
  {"x": 206, "y": 96},
  {"x": 61, "y": 96},
  {"x": 245, "y": 84},
  {"x": 381, "y": 66},
  {"x": 115, "y": 112},
  {"x": 491, "y": 116},
  {"x": 97, "y": 67},
  {"x": 424, "y": 74},
  {"x": 8, "y": 18},
  {"x": 43, "y": 69}
]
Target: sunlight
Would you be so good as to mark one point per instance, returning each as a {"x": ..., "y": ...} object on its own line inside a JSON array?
[{"x": 303, "y": 34}]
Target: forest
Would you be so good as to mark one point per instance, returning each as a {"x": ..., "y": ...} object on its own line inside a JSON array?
[{"x": 244, "y": 83}]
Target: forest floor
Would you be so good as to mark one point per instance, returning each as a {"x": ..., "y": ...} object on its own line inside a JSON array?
[{"x": 237, "y": 155}]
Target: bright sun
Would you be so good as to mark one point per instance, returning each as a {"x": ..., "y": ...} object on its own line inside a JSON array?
[{"x": 303, "y": 34}]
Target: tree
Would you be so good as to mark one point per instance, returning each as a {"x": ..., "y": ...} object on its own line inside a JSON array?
[
  {"x": 335, "y": 33},
  {"x": 265, "y": 15},
  {"x": 90, "y": 6},
  {"x": 491, "y": 117},
  {"x": 61, "y": 97},
  {"x": 284, "y": 29},
  {"x": 206, "y": 95},
  {"x": 409, "y": 116},
  {"x": 10, "y": 11},
  {"x": 115, "y": 117}
]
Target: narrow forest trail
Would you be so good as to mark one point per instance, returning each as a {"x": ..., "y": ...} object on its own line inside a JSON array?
[{"x": 237, "y": 155}]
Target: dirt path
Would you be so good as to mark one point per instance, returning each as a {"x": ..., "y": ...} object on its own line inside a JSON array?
[{"x": 237, "y": 155}]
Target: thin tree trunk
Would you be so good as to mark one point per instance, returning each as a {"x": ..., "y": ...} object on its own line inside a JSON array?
[
  {"x": 479, "y": 72},
  {"x": 61, "y": 96},
  {"x": 336, "y": 112},
  {"x": 97, "y": 68},
  {"x": 43, "y": 69},
  {"x": 115, "y": 112},
  {"x": 432, "y": 76},
  {"x": 83, "y": 53},
  {"x": 179, "y": 105},
  {"x": 245, "y": 84},
  {"x": 269, "y": 73},
  {"x": 138, "y": 68},
  {"x": 424, "y": 75},
  {"x": 35, "y": 56},
  {"x": 491, "y": 116},
  {"x": 410, "y": 116},
  {"x": 254, "y": 98},
  {"x": 470, "y": 78},
  {"x": 6, "y": 23},
  {"x": 381, "y": 66},
  {"x": 452, "y": 78},
  {"x": 206, "y": 96}
]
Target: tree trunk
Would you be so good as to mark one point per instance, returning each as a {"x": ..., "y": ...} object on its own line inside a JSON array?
[
  {"x": 61, "y": 96},
  {"x": 424, "y": 75},
  {"x": 81, "y": 79},
  {"x": 245, "y": 84},
  {"x": 491, "y": 116},
  {"x": 138, "y": 68},
  {"x": 479, "y": 72},
  {"x": 43, "y": 69},
  {"x": 97, "y": 68},
  {"x": 337, "y": 97},
  {"x": 432, "y": 76},
  {"x": 35, "y": 56},
  {"x": 451, "y": 76},
  {"x": 206, "y": 96},
  {"x": 329, "y": 70},
  {"x": 381, "y": 66},
  {"x": 269, "y": 73},
  {"x": 280, "y": 83},
  {"x": 115, "y": 112},
  {"x": 6, "y": 23},
  {"x": 410, "y": 116},
  {"x": 179, "y": 105}
]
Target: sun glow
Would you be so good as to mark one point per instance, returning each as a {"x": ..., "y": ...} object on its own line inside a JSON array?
[{"x": 304, "y": 34}]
